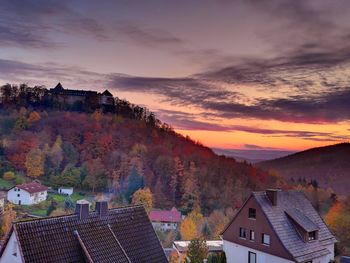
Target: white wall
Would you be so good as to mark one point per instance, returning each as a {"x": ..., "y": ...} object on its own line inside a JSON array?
[
  {"x": 239, "y": 254},
  {"x": 326, "y": 258},
  {"x": 164, "y": 226},
  {"x": 25, "y": 197},
  {"x": 11, "y": 253},
  {"x": 67, "y": 191}
]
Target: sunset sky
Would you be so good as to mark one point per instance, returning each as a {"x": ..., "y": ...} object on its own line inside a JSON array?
[{"x": 247, "y": 74}]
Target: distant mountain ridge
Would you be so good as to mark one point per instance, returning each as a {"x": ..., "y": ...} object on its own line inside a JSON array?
[
  {"x": 252, "y": 156},
  {"x": 328, "y": 165}
]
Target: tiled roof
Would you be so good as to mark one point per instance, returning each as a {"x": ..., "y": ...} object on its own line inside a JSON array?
[
  {"x": 296, "y": 201},
  {"x": 173, "y": 215},
  {"x": 32, "y": 187},
  {"x": 124, "y": 235}
]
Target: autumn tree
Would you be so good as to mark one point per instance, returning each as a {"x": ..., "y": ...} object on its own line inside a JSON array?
[
  {"x": 191, "y": 227},
  {"x": 190, "y": 189},
  {"x": 8, "y": 176},
  {"x": 338, "y": 219},
  {"x": 34, "y": 117},
  {"x": 217, "y": 222},
  {"x": 144, "y": 197},
  {"x": 95, "y": 175},
  {"x": 55, "y": 154},
  {"x": 197, "y": 250},
  {"x": 35, "y": 163},
  {"x": 7, "y": 218},
  {"x": 21, "y": 122},
  {"x": 174, "y": 257}
]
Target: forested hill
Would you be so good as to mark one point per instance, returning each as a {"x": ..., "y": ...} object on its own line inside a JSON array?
[
  {"x": 329, "y": 166},
  {"x": 118, "y": 152}
]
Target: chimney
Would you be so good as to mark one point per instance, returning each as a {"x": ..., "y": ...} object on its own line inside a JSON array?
[
  {"x": 272, "y": 196},
  {"x": 82, "y": 209},
  {"x": 102, "y": 208}
]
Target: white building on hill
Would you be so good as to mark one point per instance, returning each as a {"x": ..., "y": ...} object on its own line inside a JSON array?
[{"x": 27, "y": 194}]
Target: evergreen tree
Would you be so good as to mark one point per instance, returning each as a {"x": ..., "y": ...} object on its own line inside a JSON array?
[
  {"x": 197, "y": 250},
  {"x": 206, "y": 230},
  {"x": 135, "y": 182}
]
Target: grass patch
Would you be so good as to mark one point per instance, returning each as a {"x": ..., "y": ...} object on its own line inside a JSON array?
[
  {"x": 39, "y": 212},
  {"x": 5, "y": 185}
]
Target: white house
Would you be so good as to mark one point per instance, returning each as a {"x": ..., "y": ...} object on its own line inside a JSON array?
[
  {"x": 164, "y": 220},
  {"x": 276, "y": 226},
  {"x": 27, "y": 194},
  {"x": 65, "y": 190}
]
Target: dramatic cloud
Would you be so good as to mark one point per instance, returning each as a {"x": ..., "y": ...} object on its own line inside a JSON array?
[{"x": 187, "y": 121}]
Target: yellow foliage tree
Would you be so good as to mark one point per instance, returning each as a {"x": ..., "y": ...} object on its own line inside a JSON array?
[
  {"x": 33, "y": 117},
  {"x": 338, "y": 219},
  {"x": 8, "y": 176},
  {"x": 35, "y": 163},
  {"x": 188, "y": 229},
  {"x": 6, "y": 221},
  {"x": 144, "y": 197}
]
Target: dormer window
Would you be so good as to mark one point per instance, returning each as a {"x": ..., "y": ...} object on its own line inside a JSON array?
[
  {"x": 252, "y": 213},
  {"x": 312, "y": 235}
]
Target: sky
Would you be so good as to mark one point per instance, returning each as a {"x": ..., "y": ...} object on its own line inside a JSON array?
[{"x": 232, "y": 74}]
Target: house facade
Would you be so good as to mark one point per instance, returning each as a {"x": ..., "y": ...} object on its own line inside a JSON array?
[
  {"x": 278, "y": 227},
  {"x": 122, "y": 235},
  {"x": 165, "y": 220},
  {"x": 27, "y": 194},
  {"x": 65, "y": 191}
]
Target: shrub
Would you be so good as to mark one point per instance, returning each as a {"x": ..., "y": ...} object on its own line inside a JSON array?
[{"x": 9, "y": 176}]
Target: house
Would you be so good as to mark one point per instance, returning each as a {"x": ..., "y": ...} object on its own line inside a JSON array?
[
  {"x": 27, "y": 194},
  {"x": 276, "y": 226},
  {"x": 164, "y": 220},
  {"x": 65, "y": 190},
  {"x": 79, "y": 97},
  {"x": 123, "y": 235}
]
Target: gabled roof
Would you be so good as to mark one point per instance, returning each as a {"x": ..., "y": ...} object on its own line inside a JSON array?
[
  {"x": 58, "y": 87},
  {"x": 124, "y": 235},
  {"x": 32, "y": 187},
  {"x": 107, "y": 93},
  {"x": 296, "y": 204},
  {"x": 173, "y": 216}
]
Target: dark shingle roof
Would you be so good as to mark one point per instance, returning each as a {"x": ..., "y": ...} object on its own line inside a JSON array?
[
  {"x": 296, "y": 201},
  {"x": 124, "y": 235}
]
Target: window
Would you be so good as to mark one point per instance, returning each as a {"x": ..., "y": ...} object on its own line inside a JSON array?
[
  {"x": 312, "y": 236},
  {"x": 18, "y": 195},
  {"x": 252, "y": 235},
  {"x": 252, "y": 213},
  {"x": 265, "y": 239},
  {"x": 14, "y": 249},
  {"x": 242, "y": 232},
  {"x": 251, "y": 257}
]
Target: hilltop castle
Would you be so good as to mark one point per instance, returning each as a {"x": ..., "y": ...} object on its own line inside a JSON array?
[{"x": 74, "y": 97}]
